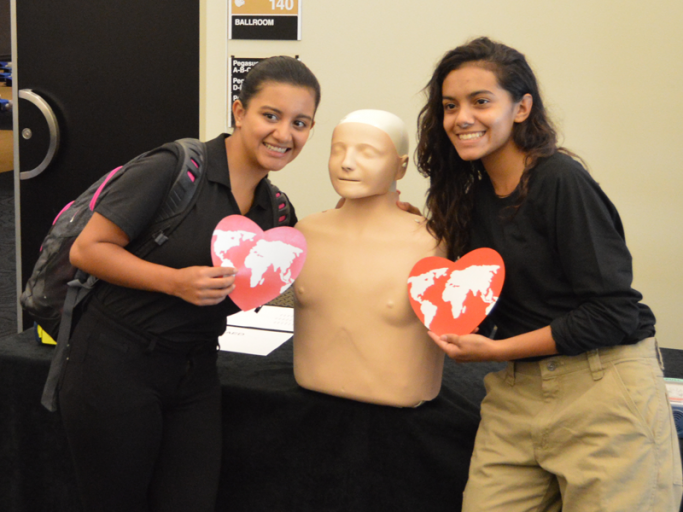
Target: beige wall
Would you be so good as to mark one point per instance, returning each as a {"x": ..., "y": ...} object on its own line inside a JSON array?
[{"x": 611, "y": 72}]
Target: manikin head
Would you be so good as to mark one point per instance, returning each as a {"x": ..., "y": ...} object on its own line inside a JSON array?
[{"x": 369, "y": 153}]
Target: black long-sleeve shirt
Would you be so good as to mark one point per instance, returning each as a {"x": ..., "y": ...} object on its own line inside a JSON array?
[{"x": 566, "y": 260}]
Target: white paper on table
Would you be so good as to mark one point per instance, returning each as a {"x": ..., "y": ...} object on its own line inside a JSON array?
[
  {"x": 259, "y": 333},
  {"x": 271, "y": 318},
  {"x": 675, "y": 389}
]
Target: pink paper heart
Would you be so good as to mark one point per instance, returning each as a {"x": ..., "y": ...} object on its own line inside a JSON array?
[
  {"x": 454, "y": 297},
  {"x": 267, "y": 262}
]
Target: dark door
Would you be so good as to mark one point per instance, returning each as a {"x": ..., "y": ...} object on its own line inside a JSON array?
[{"x": 119, "y": 78}]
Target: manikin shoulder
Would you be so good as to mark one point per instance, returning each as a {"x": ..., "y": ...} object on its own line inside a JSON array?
[
  {"x": 415, "y": 226},
  {"x": 399, "y": 228},
  {"x": 318, "y": 222}
]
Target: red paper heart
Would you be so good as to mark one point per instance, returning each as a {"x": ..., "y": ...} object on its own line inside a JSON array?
[
  {"x": 454, "y": 297},
  {"x": 267, "y": 262}
]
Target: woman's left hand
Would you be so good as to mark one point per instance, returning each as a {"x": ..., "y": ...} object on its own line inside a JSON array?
[
  {"x": 475, "y": 347},
  {"x": 467, "y": 348}
]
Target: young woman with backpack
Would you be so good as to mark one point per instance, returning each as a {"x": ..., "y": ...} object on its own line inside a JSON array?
[{"x": 140, "y": 395}]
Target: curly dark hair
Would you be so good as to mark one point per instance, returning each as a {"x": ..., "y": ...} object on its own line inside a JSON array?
[{"x": 453, "y": 181}]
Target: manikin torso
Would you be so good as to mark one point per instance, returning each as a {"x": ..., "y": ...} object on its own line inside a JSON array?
[{"x": 355, "y": 333}]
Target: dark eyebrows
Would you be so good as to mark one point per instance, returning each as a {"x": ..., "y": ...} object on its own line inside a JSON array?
[
  {"x": 266, "y": 108},
  {"x": 273, "y": 109},
  {"x": 470, "y": 95},
  {"x": 477, "y": 93}
]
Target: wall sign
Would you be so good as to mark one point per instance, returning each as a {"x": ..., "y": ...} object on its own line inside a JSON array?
[
  {"x": 265, "y": 19},
  {"x": 239, "y": 67}
]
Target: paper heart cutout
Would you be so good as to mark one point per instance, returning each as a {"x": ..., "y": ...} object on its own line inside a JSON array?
[
  {"x": 267, "y": 262},
  {"x": 454, "y": 297}
]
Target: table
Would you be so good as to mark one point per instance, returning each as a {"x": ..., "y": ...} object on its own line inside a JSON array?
[{"x": 285, "y": 448}]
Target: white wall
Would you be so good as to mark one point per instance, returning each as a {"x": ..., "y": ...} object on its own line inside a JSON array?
[{"x": 611, "y": 72}]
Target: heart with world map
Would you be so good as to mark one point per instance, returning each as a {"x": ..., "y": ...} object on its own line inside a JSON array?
[
  {"x": 455, "y": 297},
  {"x": 267, "y": 262}
]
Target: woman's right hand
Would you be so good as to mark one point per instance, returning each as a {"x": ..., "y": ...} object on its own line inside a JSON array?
[
  {"x": 203, "y": 286},
  {"x": 406, "y": 207},
  {"x": 100, "y": 250}
]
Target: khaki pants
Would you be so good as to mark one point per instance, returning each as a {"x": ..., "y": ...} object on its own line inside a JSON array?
[{"x": 583, "y": 433}]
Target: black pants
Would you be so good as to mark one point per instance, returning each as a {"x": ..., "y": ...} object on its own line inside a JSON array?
[{"x": 142, "y": 418}]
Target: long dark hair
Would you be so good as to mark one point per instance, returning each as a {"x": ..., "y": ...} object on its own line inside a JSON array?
[
  {"x": 453, "y": 181},
  {"x": 280, "y": 69}
]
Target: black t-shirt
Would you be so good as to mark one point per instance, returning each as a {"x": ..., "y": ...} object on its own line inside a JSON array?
[
  {"x": 566, "y": 260},
  {"x": 132, "y": 202}
]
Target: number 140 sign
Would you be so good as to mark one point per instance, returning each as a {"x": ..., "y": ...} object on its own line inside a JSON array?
[
  {"x": 282, "y": 5},
  {"x": 265, "y": 19},
  {"x": 265, "y": 7}
]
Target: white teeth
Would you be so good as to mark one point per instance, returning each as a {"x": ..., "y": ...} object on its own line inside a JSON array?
[
  {"x": 469, "y": 136},
  {"x": 275, "y": 148}
]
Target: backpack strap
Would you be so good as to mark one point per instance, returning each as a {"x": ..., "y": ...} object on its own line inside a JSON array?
[
  {"x": 191, "y": 155},
  {"x": 78, "y": 289},
  {"x": 181, "y": 197},
  {"x": 282, "y": 211}
]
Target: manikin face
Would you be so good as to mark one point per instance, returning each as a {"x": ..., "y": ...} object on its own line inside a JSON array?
[
  {"x": 479, "y": 114},
  {"x": 275, "y": 125},
  {"x": 363, "y": 161}
]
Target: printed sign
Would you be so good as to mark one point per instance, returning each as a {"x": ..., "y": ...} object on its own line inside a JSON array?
[
  {"x": 267, "y": 263},
  {"x": 454, "y": 297},
  {"x": 239, "y": 67},
  {"x": 265, "y": 19}
]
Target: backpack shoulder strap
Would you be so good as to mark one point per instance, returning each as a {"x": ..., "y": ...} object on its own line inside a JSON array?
[
  {"x": 191, "y": 155},
  {"x": 282, "y": 211},
  {"x": 190, "y": 175}
]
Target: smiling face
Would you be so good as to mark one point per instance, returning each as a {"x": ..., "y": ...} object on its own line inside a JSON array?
[
  {"x": 275, "y": 125},
  {"x": 479, "y": 114},
  {"x": 363, "y": 161}
]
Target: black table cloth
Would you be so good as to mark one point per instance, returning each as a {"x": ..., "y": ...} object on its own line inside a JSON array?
[{"x": 285, "y": 448}]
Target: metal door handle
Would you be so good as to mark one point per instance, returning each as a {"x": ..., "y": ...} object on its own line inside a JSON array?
[{"x": 53, "y": 126}]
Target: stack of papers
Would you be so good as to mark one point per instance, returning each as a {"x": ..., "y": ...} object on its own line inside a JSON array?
[
  {"x": 675, "y": 389},
  {"x": 258, "y": 333}
]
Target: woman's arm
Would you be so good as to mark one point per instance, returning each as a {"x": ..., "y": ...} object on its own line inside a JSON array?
[
  {"x": 100, "y": 250},
  {"x": 592, "y": 254},
  {"x": 474, "y": 347}
]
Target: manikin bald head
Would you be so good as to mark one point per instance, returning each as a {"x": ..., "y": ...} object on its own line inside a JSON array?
[
  {"x": 369, "y": 153},
  {"x": 389, "y": 123}
]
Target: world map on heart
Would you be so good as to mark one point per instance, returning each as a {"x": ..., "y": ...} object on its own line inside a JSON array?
[
  {"x": 263, "y": 255},
  {"x": 267, "y": 263},
  {"x": 455, "y": 297}
]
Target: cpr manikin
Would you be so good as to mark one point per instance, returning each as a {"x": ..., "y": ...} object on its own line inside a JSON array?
[{"x": 355, "y": 334}]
